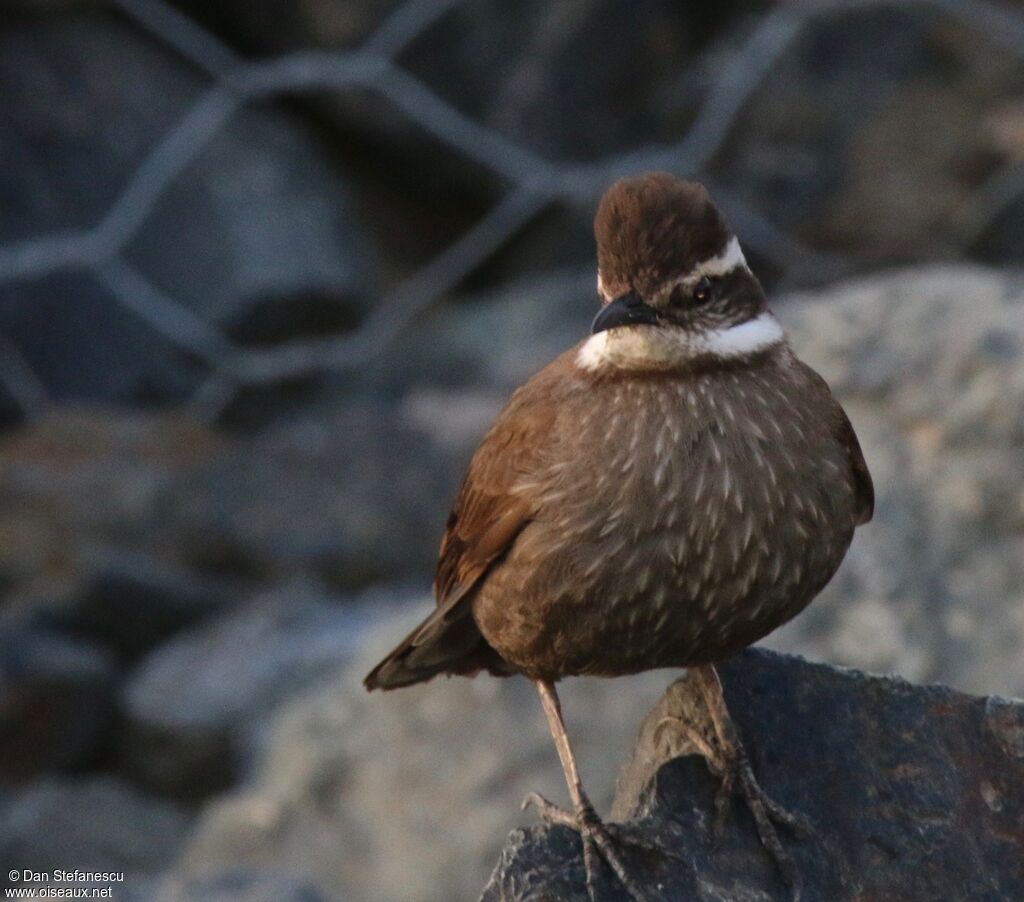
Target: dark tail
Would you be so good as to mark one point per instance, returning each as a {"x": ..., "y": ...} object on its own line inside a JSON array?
[{"x": 448, "y": 642}]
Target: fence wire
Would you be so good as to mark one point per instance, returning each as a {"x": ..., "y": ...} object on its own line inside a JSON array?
[{"x": 535, "y": 182}]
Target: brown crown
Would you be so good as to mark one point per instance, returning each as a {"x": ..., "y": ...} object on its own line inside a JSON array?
[{"x": 654, "y": 227}]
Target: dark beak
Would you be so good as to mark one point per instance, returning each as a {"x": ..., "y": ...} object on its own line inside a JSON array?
[{"x": 628, "y": 310}]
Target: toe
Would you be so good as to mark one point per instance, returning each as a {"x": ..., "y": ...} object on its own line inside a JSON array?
[{"x": 549, "y": 812}]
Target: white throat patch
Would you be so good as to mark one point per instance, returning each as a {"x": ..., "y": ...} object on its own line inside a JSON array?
[{"x": 653, "y": 348}]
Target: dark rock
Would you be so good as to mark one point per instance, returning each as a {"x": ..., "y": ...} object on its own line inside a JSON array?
[
  {"x": 357, "y": 495},
  {"x": 528, "y": 73},
  {"x": 874, "y": 132},
  {"x": 914, "y": 792},
  {"x": 408, "y": 795},
  {"x": 129, "y": 602},
  {"x": 56, "y": 701},
  {"x": 231, "y": 886},
  {"x": 194, "y": 708},
  {"x": 81, "y": 479},
  {"x": 258, "y": 217},
  {"x": 92, "y": 824},
  {"x": 998, "y": 238}
]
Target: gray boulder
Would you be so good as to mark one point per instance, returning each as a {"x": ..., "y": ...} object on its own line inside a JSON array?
[
  {"x": 130, "y": 602},
  {"x": 80, "y": 479},
  {"x": 259, "y": 217},
  {"x": 230, "y": 886},
  {"x": 912, "y": 793},
  {"x": 94, "y": 824},
  {"x": 356, "y": 495},
  {"x": 193, "y": 710},
  {"x": 408, "y": 795},
  {"x": 56, "y": 699},
  {"x": 929, "y": 363}
]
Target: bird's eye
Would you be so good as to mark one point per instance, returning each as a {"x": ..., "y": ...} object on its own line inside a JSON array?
[{"x": 702, "y": 291}]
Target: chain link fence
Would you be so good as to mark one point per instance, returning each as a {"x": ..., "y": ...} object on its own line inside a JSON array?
[{"x": 534, "y": 183}]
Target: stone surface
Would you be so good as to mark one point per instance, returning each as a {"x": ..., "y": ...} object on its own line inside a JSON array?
[
  {"x": 230, "y": 886},
  {"x": 77, "y": 480},
  {"x": 929, "y": 364},
  {"x": 92, "y": 824},
  {"x": 356, "y": 495},
  {"x": 132, "y": 602},
  {"x": 913, "y": 793},
  {"x": 408, "y": 795},
  {"x": 259, "y": 216},
  {"x": 193, "y": 710},
  {"x": 878, "y": 131},
  {"x": 56, "y": 700}
]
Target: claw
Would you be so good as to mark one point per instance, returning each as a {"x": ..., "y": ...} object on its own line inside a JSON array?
[
  {"x": 726, "y": 758},
  {"x": 596, "y": 839},
  {"x": 549, "y": 812},
  {"x": 723, "y": 798},
  {"x": 767, "y": 813}
]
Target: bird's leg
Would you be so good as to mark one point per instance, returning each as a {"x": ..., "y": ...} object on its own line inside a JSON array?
[
  {"x": 593, "y": 833},
  {"x": 729, "y": 760}
]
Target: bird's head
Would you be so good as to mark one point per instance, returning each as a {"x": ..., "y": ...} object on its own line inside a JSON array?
[{"x": 673, "y": 281}]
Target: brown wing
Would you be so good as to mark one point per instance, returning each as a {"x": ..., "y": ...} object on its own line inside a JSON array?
[
  {"x": 864, "y": 487},
  {"x": 487, "y": 516}
]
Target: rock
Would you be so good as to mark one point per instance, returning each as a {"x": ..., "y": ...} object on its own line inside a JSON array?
[
  {"x": 351, "y": 496},
  {"x": 356, "y": 495},
  {"x": 911, "y": 791},
  {"x": 129, "y": 602},
  {"x": 529, "y": 75},
  {"x": 929, "y": 363},
  {"x": 231, "y": 886},
  {"x": 408, "y": 794},
  {"x": 90, "y": 824},
  {"x": 56, "y": 700},
  {"x": 874, "y": 132},
  {"x": 495, "y": 340},
  {"x": 259, "y": 218},
  {"x": 193, "y": 710},
  {"x": 77, "y": 480}
]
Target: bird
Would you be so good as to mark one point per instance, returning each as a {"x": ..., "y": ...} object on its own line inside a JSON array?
[{"x": 663, "y": 494}]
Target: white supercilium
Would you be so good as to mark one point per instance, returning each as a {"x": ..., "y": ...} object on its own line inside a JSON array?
[{"x": 731, "y": 258}]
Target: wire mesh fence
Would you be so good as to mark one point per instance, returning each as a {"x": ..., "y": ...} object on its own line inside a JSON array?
[{"x": 533, "y": 182}]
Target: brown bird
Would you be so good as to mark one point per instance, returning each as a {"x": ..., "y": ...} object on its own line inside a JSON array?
[{"x": 663, "y": 494}]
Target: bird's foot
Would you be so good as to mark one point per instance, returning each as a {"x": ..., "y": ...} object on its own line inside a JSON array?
[
  {"x": 596, "y": 839},
  {"x": 738, "y": 779},
  {"x": 730, "y": 764}
]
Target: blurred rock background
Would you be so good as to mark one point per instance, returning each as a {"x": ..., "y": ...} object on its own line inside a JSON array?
[{"x": 267, "y": 271}]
